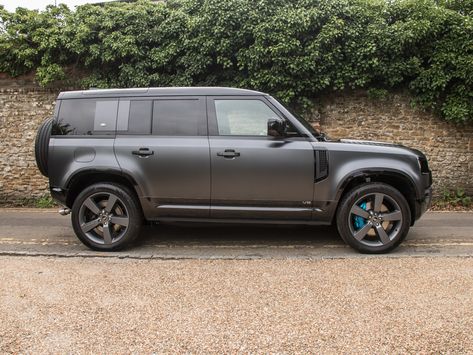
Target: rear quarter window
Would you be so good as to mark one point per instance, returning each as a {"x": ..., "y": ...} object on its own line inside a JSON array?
[{"x": 86, "y": 117}]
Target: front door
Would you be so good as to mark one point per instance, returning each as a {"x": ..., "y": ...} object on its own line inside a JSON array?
[
  {"x": 164, "y": 146},
  {"x": 254, "y": 175}
]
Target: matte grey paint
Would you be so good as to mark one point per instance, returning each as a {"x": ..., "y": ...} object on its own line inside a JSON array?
[
  {"x": 177, "y": 173},
  {"x": 63, "y": 165},
  {"x": 346, "y": 159},
  {"x": 261, "y": 177},
  {"x": 270, "y": 180}
]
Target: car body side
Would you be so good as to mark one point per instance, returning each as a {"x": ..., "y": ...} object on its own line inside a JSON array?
[{"x": 77, "y": 161}]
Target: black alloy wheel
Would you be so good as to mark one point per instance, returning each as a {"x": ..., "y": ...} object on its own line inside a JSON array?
[
  {"x": 106, "y": 217},
  {"x": 373, "y": 218}
]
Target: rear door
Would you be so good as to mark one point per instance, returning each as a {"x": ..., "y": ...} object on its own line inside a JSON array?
[
  {"x": 254, "y": 175},
  {"x": 163, "y": 144}
]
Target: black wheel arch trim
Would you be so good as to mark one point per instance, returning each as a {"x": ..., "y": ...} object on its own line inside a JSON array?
[
  {"x": 367, "y": 173},
  {"x": 106, "y": 170}
]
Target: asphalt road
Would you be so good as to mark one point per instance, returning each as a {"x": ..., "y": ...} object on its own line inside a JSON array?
[{"x": 46, "y": 233}]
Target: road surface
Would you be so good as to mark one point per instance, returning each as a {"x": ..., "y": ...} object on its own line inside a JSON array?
[{"x": 46, "y": 233}]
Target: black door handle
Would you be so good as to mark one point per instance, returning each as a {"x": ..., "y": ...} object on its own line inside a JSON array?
[
  {"x": 143, "y": 152},
  {"x": 228, "y": 153}
]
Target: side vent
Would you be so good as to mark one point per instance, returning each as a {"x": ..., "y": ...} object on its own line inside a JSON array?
[{"x": 321, "y": 164}]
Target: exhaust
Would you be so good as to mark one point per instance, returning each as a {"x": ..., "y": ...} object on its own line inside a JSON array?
[{"x": 64, "y": 211}]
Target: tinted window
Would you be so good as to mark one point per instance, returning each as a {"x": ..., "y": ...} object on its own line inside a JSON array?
[
  {"x": 76, "y": 117},
  {"x": 140, "y": 117},
  {"x": 105, "y": 117},
  {"x": 179, "y": 117},
  {"x": 243, "y": 117},
  {"x": 86, "y": 117},
  {"x": 123, "y": 113}
]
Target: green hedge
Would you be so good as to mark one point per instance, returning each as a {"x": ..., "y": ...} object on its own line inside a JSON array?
[{"x": 294, "y": 49}]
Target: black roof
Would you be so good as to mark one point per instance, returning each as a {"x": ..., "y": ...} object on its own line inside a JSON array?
[{"x": 170, "y": 91}]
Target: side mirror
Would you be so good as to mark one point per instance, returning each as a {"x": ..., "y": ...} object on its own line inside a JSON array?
[{"x": 276, "y": 127}]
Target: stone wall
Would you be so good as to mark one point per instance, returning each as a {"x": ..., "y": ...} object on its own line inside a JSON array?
[
  {"x": 449, "y": 147},
  {"x": 22, "y": 108}
]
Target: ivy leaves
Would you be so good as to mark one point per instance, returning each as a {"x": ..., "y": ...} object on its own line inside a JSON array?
[{"x": 293, "y": 49}]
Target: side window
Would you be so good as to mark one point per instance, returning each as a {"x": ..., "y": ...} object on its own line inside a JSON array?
[
  {"x": 81, "y": 117},
  {"x": 243, "y": 117},
  {"x": 105, "y": 117},
  {"x": 139, "y": 121},
  {"x": 179, "y": 117}
]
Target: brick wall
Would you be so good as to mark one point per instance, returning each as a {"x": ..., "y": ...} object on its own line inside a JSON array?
[{"x": 449, "y": 147}]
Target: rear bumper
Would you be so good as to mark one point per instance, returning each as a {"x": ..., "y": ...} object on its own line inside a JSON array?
[{"x": 59, "y": 195}]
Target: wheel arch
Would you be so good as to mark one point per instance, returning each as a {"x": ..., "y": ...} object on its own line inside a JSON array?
[
  {"x": 397, "y": 179},
  {"x": 80, "y": 180}
]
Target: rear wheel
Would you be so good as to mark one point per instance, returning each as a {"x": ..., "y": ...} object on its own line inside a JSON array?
[
  {"x": 373, "y": 218},
  {"x": 106, "y": 217}
]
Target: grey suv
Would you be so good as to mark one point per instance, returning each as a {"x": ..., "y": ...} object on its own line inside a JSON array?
[{"x": 117, "y": 157}]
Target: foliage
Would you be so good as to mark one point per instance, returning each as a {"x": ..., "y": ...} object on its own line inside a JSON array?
[
  {"x": 293, "y": 49},
  {"x": 377, "y": 94},
  {"x": 34, "y": 40},
  {"x": 44, "y": 202},
  {"x": 456, "y": 197},
  {"x": 37, "y": 202}
]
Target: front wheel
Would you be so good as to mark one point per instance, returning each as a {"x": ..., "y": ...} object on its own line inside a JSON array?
[
  {"x": 106, "y": 216},
  {"x": 373, "y": 218}
]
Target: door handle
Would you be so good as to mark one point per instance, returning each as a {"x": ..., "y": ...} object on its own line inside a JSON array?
[
  {"x": 143, "y": 152},
  {"x": 228, "y": 153}
]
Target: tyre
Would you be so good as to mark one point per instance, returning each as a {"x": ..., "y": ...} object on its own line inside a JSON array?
[
  {"x": 41, "y": 147},
  {"x": 106, "y": 216},
  {"x": 373, "y": 218}
]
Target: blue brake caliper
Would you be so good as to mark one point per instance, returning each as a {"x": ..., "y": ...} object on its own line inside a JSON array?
[{"x": 360, "y": 221}]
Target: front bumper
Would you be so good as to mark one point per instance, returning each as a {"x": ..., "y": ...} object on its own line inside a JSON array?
[{"x": 424, "y": 204}]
